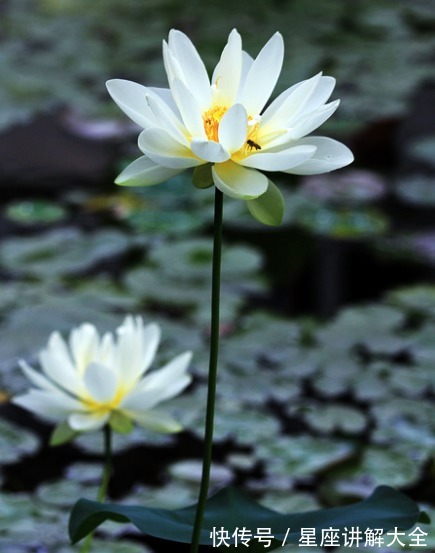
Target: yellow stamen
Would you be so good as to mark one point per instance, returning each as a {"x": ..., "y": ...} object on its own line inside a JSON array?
[
  {"x": 103, "y": 408},
  {"x": 211, "y": 119}
]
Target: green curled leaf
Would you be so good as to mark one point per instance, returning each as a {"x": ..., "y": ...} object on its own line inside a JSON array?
[
  {"x": 202, "y": 177},
  {"x": 62, "y": 434},
  {"x": 231, "y": 509},
  {"x": 120, "y": 423},
  {"x": 269, "y": 207}
]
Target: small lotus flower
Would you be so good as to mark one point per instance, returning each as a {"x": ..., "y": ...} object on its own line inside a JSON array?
[
  {"x": 225, "y": 123},
  {"x": 93, "y": 380}
]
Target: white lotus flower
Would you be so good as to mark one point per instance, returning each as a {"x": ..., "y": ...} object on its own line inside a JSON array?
[
  {"x": 92, "y": 379},
  {"x": 224, "y": 121}
]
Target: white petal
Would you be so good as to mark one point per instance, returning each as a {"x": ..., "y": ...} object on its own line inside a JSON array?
[
  {"x": 167, "y": 119},
  {"x": 138, "y": 400},
  {"x": 156, "y": 421},
  {"x": 263, "y": 75},
  {"x": 131, "y": 98},
  {"x": 160, "y": 385},
  {"x": 83, "y": 422},
  {"x": 57, "y": 345},
  {"x": 247, "y": 62},
  {"x": 172, "y": 67},
  {"x": 158, "y": 145},
  {"x": 289, "y": 105},
  {"x": 226, "y": 76},
  {"x": 56, "y": 364},
  {"x": 190, "y": 110},
  {"x": 84, "y": 345},
  {"x": 165, "y": 94},
  {"x": 238, "y": 182},
  {"x": 208, "y": 150},
  {"x": 320, "y": 94},
  {"x": 107, "y": 350},
  {"x": 330, "y": 155},
  {"x": 136, "y": 349},
  {"x": 275, "y": 140},
  {"x": 151, "y": 339},
  {"x": 50, "y": 405},
  {"x": 145, "y": 172},
  {"x": 170, "y": 380},
  {"x": 279, "y": 161},
  {"x": 192, "y": 66},
  {"x": 313, "y": 120},
  {"x": 37, "y": 378},
  {"x": 101, "y": 382},
  {"x": 233, "y": 128},
  {"x": 298, "y": 101},
  {"x": 271, "y": 110}
]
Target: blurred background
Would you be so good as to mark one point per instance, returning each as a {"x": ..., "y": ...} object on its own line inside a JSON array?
[{"x": 327, "y": 375}]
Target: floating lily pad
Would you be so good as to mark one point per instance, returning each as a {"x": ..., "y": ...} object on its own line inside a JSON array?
[
  {"x": 14, "y": 508},
  {"x": 326, "y": 385},
  {"x": 422, "y": 348},
  {"x": 170, "y": 222},
  {"x": 102, "y": 290},
  {"x": 247, "y": 426},
  {"x": 263, "y": 340},
  {"x": 191, "y": 471},
  {"x": 418, "y": 190},
  {"x": 368, "y": 386},
  {"x": 391, "y": 467},
  {"x": 11, "y": 293},
  {"x": 63, "y": 252},
  {"x": 409, "y": 381},
  {"x": 332, "y": 418},
  {"x": 423, "y": 150},
  {"x": 415, "y": 299},
  {"x": 361, "y": 325},
  {"x": 343, "y": 222},
  {"x": 59, "y": 494},
  {"x": 302, "y": 456},
  {"x": 15, "y": 442},
  {"x": 186, "y": 297},
  {"x": 84, "y": 473},
  {"x": 241, "y": 461},
  {"x": 251, "y": 428},
  {"x": 407, "y": 421},
  {"x": 417, "y": 246},
  {"x": 262, "y": 388},
  {"x": 35, "y": 211},
  {"x": 191, "y": 259},
  {"x": 289, "y": 501},
  {"x": 419, "y": 440},
  {"x": 23, "y": 520},
  {"x": 348, "y": 187},
  {"x": 173, "y": 495}
]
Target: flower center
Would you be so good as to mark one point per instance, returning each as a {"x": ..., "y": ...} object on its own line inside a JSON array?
[
  {"x": 106, "y": 407},
  {"x": 211, "y": 119}
]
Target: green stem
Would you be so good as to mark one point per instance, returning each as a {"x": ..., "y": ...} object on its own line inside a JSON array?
[
  {"x": 102, "y": 492},
  {"x": 212, "y": 372}
]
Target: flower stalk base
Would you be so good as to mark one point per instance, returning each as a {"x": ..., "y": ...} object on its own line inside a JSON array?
[{"x": 102, "y": 492}]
